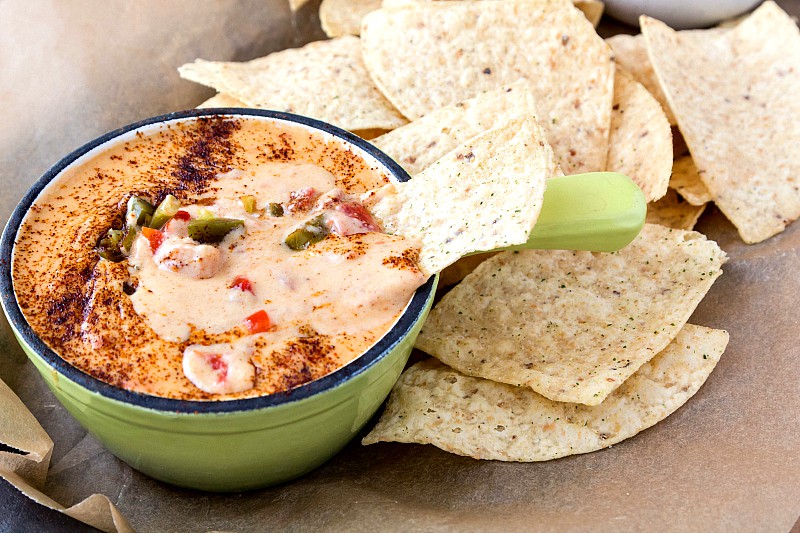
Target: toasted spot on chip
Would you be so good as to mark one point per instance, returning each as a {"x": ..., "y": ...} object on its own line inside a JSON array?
[
  {"x": 426, "y": 56},
  {"x": 325, "y": 80},
  {"x": 686, "y": 180},
  {"x": 572, "y": 325},
  {"x": 485, "y": 194},
  {"x": 640, "y": 142},
  {"x": 421, "y": 142},
  {"x": 343, "y": 17},
  {"x": 733, "y": 93},
  {"x": 434, "y": 404},
  {"x": 674, "y": 212}
]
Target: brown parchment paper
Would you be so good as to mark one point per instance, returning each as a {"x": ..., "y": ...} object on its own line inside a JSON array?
[{"x": 729, "y": 460}]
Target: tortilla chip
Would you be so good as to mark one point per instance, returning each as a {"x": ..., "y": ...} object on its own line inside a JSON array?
[
  {"x": 485, "y": 194},
  {"x": 572, "y": 325},
  {"x": 370, "y": 134},
  {"x": 732, "y": 22},
  {"x": 674, "y": 212},
  {"x": 221, "y": 100},
  {"x": 343, "y": 17},
  {"x": 592, "y": 10},
  {"x": 461, "y": 268},
  {"x": 640, "y": 142},
  {"x": 295, "y": 5},
  {"x": 325, "y": 80},
  {"x": 427, "y": 56},
  {"x": 734, "y": 93},
  {"x": 224, "y": 100},
  {"x": 434, "y": 404},
  {"x": 679, "y": 148},
  {"x": 686, "y": 180},
  {"x": 630, "y": 53},
  {"x": 420, "y": 143}
]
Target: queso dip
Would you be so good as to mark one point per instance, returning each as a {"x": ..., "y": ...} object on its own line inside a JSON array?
[{"x": 258, "y": 271}]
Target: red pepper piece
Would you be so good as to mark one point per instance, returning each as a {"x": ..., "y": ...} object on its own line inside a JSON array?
[
  {"x": 258, "y": 322},
  {"x": 154, "y": 236},
  {"x": 302, "y": 199},
  {"x": 219, "y": 366},
  {"x": 359, "y": 212},
  {"x": 182, "y": 215},
  {"x": 243, "y": 284}
]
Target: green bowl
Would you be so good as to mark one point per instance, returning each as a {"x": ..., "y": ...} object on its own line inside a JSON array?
[{"x": 225, "y": 445}]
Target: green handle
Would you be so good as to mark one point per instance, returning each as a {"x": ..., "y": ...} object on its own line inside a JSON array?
[{"x": 597, "y": 212}]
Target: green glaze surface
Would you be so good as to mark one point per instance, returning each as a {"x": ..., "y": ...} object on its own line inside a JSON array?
[
  {"x": 597, "y": 212},
  {"x": 239, "y": 450}
]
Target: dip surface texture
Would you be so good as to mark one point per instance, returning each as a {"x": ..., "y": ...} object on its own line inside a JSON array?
[{"x": 244, "y": 317}]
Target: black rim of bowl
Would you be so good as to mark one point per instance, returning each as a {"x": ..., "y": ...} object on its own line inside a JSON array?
[{"x": 368, "y": 359}]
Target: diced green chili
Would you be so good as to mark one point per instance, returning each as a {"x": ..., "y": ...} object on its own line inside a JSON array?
[
  {"x": 275, "y": 209},
  {"x": 127, "y": 241},
  {"x": 212, "y": 230},
  {"x": 108, "y": 246},
  {"x": 165, "y": 211},
  {"x": 309, "y": 233},
  {"x": 205, "y": 214},
  {"x": 249, "y": 203},
  {"x": 141, "y": 208}
]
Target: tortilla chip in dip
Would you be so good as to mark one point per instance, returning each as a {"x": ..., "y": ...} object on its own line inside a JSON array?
[
  {"x": 734, "y": 94},
  {"x": 572, "y": 325},
  {"x": 485, "y": 194},
  {"x": 325, "y": 80},
  {"x": 429, "y": 55},
  {"x": 421, "y": 142},
  {"x": 686, "y": 180},
  {"x": 674, "y": 212},
  {"x": 640, "y": 142},
  {"x": 435, "y": 404}
]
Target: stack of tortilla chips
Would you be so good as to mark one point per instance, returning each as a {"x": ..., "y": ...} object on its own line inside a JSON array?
[{"x": 541, "y": 354}]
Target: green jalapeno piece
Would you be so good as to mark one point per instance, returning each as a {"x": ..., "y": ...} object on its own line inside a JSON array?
[
  {"x": 164, "y": 212},
  {"x": 309, "y": 233},
  {"x": 205, "y": 214},
  {"x": 275, "y": 209},
  {"x": 108, "y": 247},
  {"x": 127, "y": 241},
  {"x": 141, "y": 208},
  {"x": 249, "y": 204},
  {"x": 212, "y": 230}
]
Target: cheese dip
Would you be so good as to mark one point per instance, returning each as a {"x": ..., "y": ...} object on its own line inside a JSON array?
[{"x": 217, "y": 258}]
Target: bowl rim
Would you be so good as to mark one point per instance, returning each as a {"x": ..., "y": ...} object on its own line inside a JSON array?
[{"x": 378, "y": 351}]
